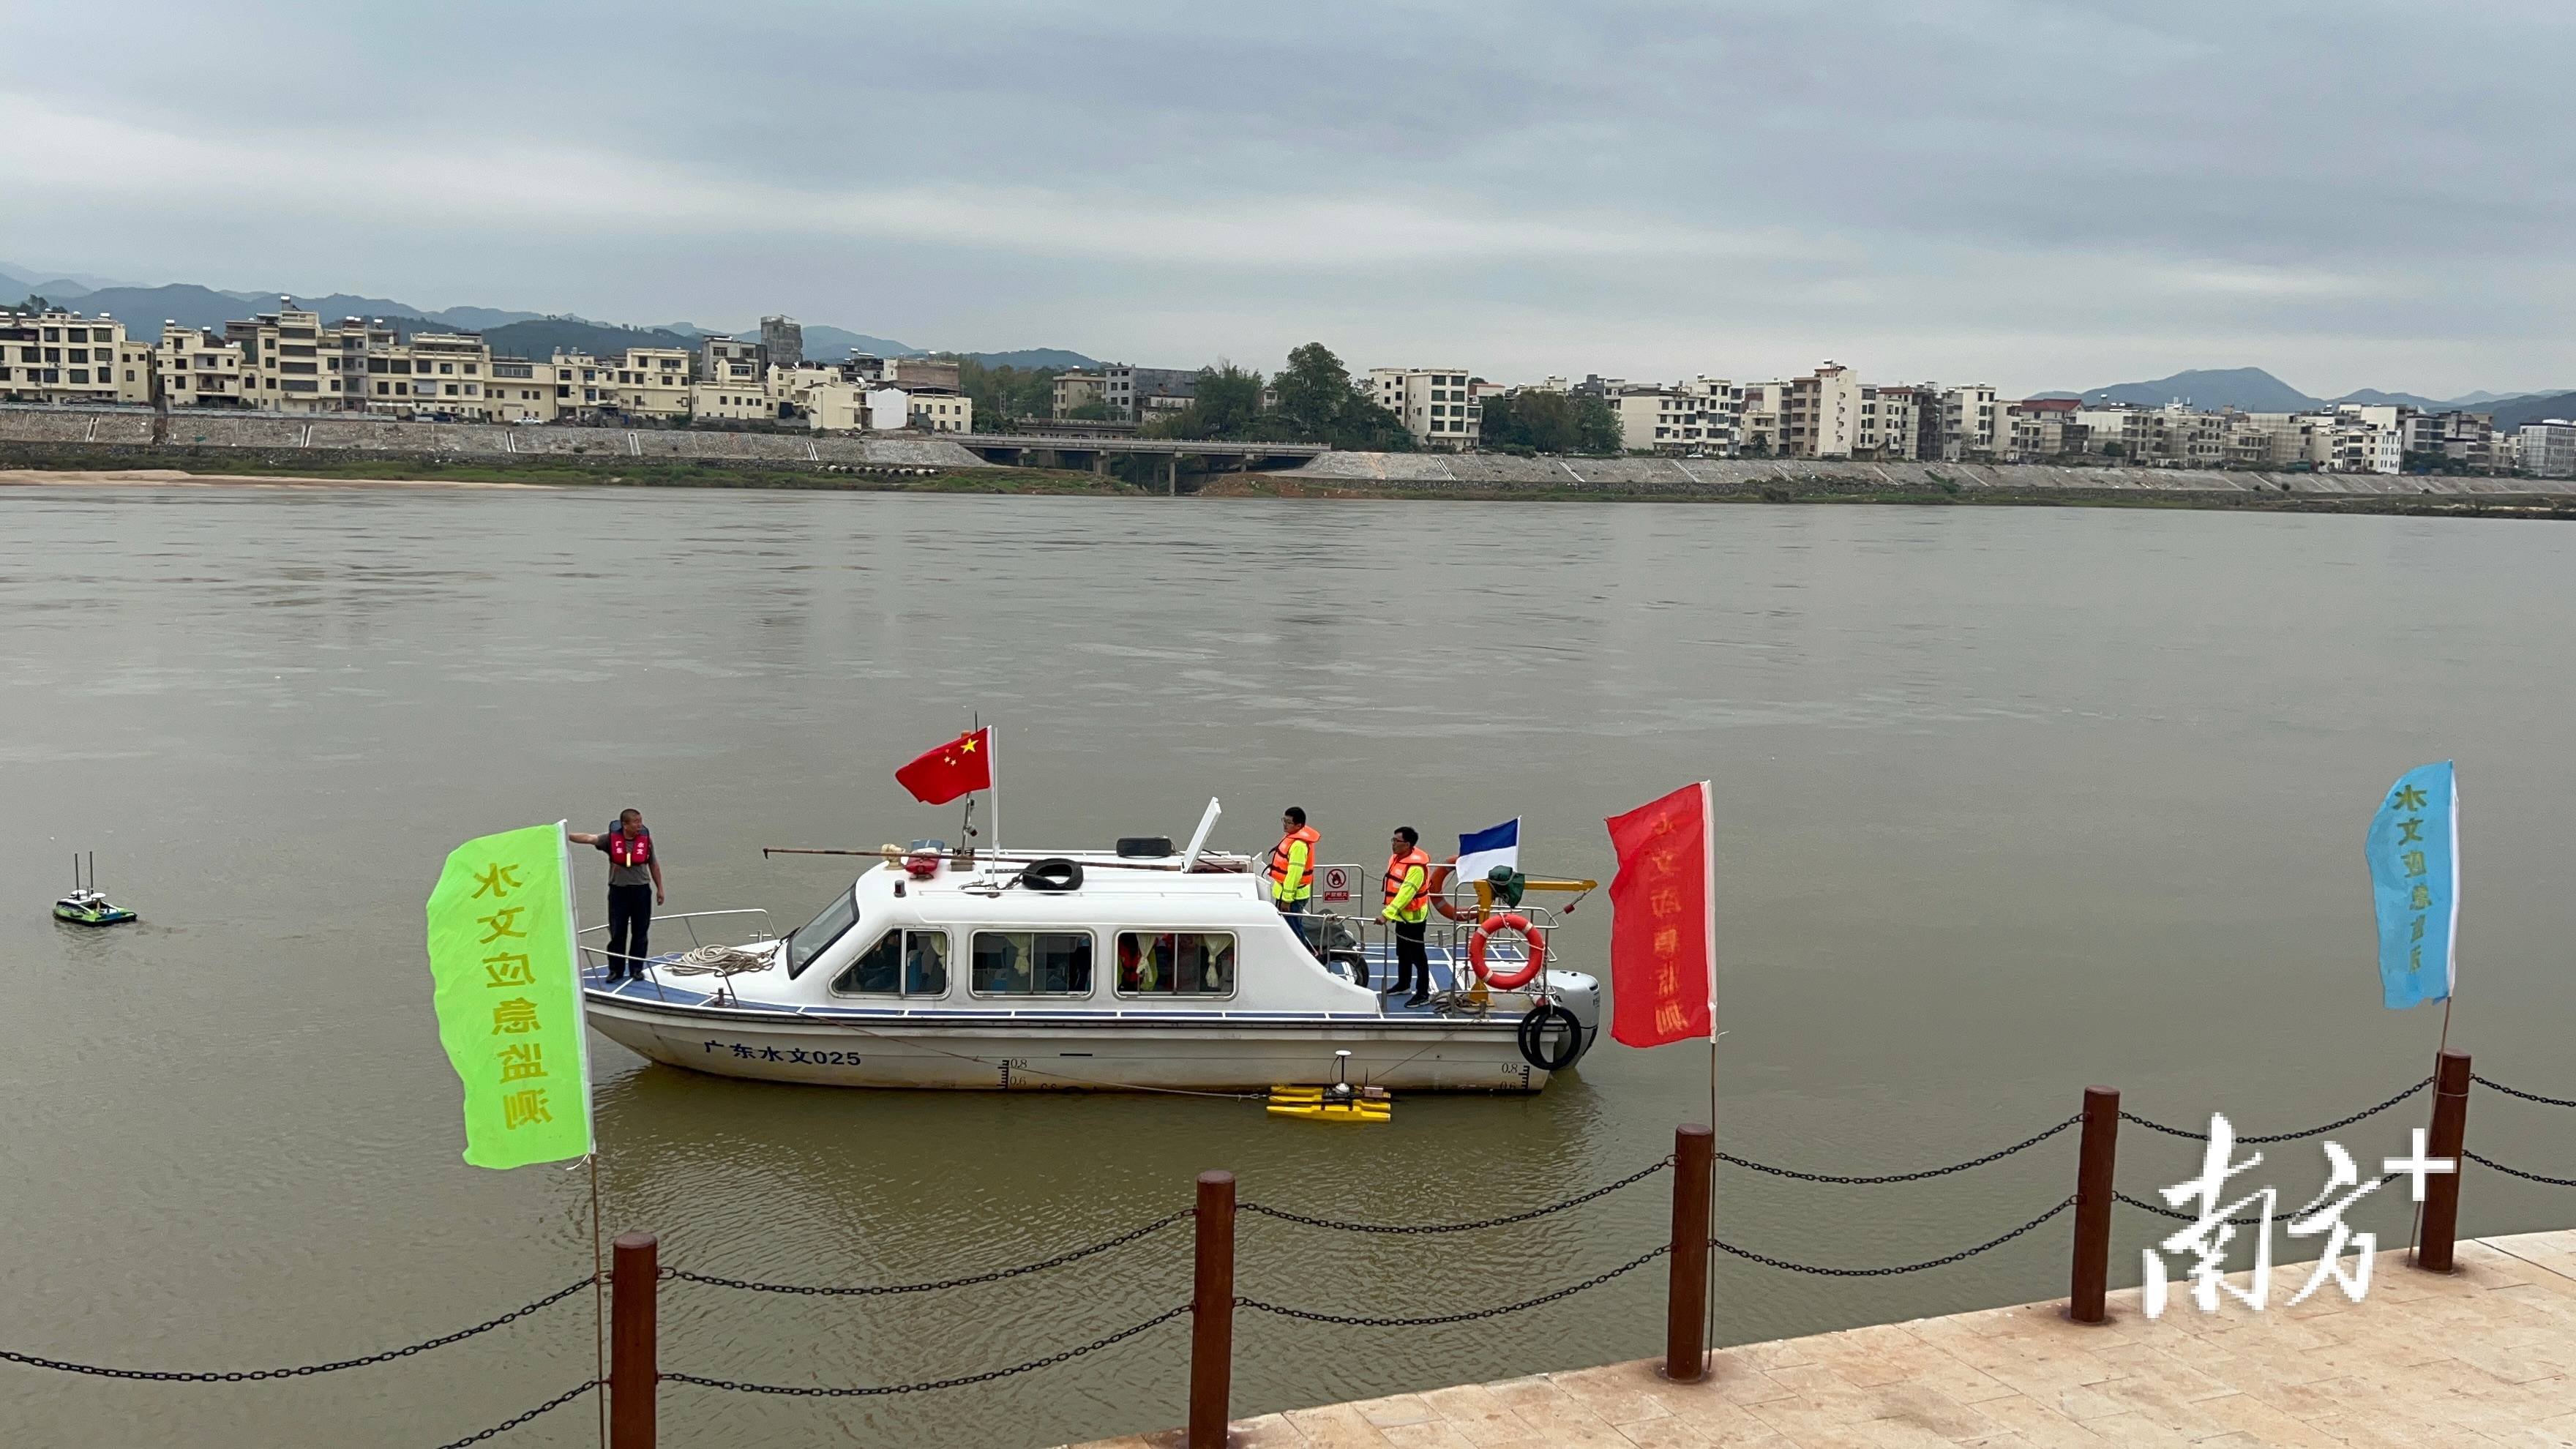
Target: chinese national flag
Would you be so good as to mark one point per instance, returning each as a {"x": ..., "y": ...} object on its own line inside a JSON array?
[
  {"x": 1663, "y": 960},
  {"x": 959, "y": 767}
]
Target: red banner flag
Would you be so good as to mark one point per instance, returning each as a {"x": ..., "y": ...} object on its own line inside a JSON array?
[
  {"x": 959, "y": 767},
  {"x": 1663, "y": 921}
]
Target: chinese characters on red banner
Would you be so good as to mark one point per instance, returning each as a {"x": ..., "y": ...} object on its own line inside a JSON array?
[{"x": 1662, "y": 961}]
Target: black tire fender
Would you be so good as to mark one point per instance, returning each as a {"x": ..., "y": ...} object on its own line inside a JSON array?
[
  {"x": 1533, "y": 1037},
  {"x": 1055, "y": 873}
]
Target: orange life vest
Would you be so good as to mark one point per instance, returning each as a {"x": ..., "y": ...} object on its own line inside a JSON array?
[
  {"x": 1397, "y": 867},
  {"x": 1306, "y": 835}
]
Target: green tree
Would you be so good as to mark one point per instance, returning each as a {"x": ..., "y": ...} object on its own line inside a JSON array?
[{"x": 1551, "y": 422}]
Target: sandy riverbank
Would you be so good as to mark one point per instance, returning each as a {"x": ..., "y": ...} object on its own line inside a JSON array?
[{"x": 173, "y": 478}]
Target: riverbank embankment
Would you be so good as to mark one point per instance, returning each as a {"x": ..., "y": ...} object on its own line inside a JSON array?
[
  {"x": 202, "y": 447},
  {"x": 2485, "y": 1355}
]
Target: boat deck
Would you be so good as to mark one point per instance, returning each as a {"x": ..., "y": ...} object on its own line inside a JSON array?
[{"x": 2481, "y": 1358}]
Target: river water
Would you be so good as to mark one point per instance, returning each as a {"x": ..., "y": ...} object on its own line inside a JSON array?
[{"x": 2010, "y": 801}]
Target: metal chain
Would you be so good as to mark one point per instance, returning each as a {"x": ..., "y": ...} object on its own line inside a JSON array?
[
  {"x": 243, "y": 1376},
  {"x": 879, "y": 1289},
  {"x": 2184, "y": 1132},
  {"x": 804, "y": 1391},
  {"x": 1770, "y": 1262},
  {"x": 2160, "y": 1210},
  {"x": 1594, "y": 1281},
  {"x": 506, "y": 1425},
  {"x": 2519, "y": 1092},
  {"x": 1734, "y": 1161},
  {"x": 1640, "y": 1175},
  {"x": 2516, "y": 1171}
]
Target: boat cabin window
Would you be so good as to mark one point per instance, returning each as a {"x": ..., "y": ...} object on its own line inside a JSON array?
[
  {"x": 812, "y": 938},
  {"x": 1032, "y": 963},
  {"x": 1175, "y": 963},
  {"x": 906, "y": 963}
]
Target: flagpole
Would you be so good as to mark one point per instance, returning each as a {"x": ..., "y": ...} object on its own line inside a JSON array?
[
  {"x": 1708, "y": 849},
  {"x": 993, "y": 783}
]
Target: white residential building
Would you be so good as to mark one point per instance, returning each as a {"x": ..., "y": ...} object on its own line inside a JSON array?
[
  {"x": 2367, "y": 438},
  {"x": 2547, "y": 449},
  {"x": 1968, "y": 418},
  {"x": 59, "y": 356},
  {"x": 740, "y": 402},
  {"x": 1887, "y": 422},
  {"x": 1434, "y": 404},
  {"x": 196, "y": 369},
  {"x": 1693, "y": 419},
  {"x": 1822, "y": 416}
]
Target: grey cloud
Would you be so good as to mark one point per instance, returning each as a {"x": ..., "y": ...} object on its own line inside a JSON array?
[{"x": 2039, "y": 193}]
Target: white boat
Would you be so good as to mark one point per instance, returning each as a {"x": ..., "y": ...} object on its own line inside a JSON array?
[{"x": 1090, "y": 971}]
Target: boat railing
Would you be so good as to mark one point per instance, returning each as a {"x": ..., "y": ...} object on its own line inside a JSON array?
[
  {"x": 1446, "y": 938},
  {"x": 687, "y": 920}
]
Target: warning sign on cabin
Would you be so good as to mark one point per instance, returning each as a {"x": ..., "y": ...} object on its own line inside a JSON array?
[{"x": 1337, "y": 883}]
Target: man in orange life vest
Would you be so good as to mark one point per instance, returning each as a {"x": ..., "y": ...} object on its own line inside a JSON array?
[
  {"x": 1408, "y": 909},
  {"x": 1292, "y": 871},
  {"x": 634, "y": 889}
]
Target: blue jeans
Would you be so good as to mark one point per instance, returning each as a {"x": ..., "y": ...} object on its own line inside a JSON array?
[{"x": 1295, "y": 911}]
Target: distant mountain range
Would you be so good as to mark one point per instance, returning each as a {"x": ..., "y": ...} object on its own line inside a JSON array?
[
  {"x": 515, "y": 334},
  {"x": 2251, "y": 389}
]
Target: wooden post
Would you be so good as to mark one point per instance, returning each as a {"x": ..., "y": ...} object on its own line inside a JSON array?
[
  {"x": 1212, "y": 1314},
  {"x": 2450, "y": 1134},
  {"x": 2094, "y": 1189},
  {"x": 632, "y": 1376},
  {"x": 1686, "y": 1298}
]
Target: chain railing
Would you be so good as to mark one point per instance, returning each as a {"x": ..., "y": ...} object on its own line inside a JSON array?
[
  {"x": 515, "y": 1420},
  {"x": 1416, "y": 1229},
  {"x": 1974, "y": 1162},
  {"x": 2186, "y": 1133},
  {"x": 1989, "y": 1245},
  {"x": 245, "y": 1376},
  {"x": 1693, "y": 1163},
  {"x": 2519, "y": 1092},
  {"x": 813, "y": 1290},
  {"x": 869, "y": 1391}
]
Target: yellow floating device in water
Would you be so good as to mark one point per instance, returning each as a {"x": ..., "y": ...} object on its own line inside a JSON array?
[{"x": 1310, "y": 1103}]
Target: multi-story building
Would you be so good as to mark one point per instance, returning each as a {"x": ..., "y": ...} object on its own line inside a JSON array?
[
  {"x": 1968, "y": 417},
  {"x": 292, "y": 363},
  {"x": 2038, "y": 428},
  {"x": 1433, "y": 403},
  {"x": 2467, "y": 439},
  {"x": 935, "y": 409},
  {"x": 192, "y": 368},
  {"x": 1694, "y": 419},
  {"x": 1821, "y": 418},
  {"x": 522, "y": 390},
  {"x": 1758, "y": 423},
  {"x": 648, "y": 382},
  {"x": 57, "y": 356},
  {"x": 1888, "y": 422},
  {"x": 1134, "y": 394},
  {"x": 730, "y": 401},
  {"x": 2547, "y": 449},
  {"x": 2272, "y": 440},
  {"x": 442, "y": 374},
  {"x": 782, "y": 341},
  {"x": 1077, "y": 390},
  {"x": 732, "y": 362},
  {"x": 2366, "y": 438}
]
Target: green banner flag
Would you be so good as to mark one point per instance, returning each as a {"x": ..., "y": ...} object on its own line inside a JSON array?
[{"x": 509, "y": 997}]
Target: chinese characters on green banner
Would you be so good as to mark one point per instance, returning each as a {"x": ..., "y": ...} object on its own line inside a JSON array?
[{"x": 508, "y": 996}]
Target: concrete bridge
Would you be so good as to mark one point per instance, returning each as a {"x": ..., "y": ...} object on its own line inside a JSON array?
[{"x": 1076, "y": 451}]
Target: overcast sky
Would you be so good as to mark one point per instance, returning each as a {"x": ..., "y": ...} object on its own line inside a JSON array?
[{"x": 2040, "y": 195}]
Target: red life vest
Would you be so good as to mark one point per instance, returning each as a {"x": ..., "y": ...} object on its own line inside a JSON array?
[{"x": 624, "y": 849}]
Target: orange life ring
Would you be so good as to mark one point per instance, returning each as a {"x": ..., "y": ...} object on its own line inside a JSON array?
[
  {"x": 1437, "y": 889},
  {"x": 1509, "y": 920}
]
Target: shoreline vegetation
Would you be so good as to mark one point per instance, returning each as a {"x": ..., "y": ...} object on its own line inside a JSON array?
[{"x": 22, "y": 465}]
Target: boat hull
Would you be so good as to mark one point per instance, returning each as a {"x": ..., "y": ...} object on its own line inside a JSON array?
[{"x": 967, "y": 1051}]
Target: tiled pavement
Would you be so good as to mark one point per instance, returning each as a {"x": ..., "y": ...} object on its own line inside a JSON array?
[{"x": 2484, "y": 1357}]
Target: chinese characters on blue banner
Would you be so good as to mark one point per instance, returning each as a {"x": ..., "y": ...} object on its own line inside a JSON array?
[{"x": 2414, "y": 852}]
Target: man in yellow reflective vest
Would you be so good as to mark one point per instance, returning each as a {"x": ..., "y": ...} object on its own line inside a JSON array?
[
  {"x": 1408, "y": 909},
  {"x": 1292, "y": 870}
]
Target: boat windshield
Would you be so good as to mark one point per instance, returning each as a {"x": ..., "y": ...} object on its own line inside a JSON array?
[{"x": 809, "y": 940}]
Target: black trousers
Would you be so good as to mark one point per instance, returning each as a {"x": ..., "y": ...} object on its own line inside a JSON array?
[
  {"x": 1411, "y": 957},
  {"x": 630, "y": 922}
]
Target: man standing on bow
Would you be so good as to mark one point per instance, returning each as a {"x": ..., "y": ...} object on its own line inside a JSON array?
[
  {"x": 634, "y": 889},
  {"x": 1292, "y": 871},
  {"x": 1408, "y": 909}
]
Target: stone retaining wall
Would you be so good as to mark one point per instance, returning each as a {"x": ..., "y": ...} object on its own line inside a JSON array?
[
  {"x": 478, "y": 442},
  {"x": 1741, "y": 475}
]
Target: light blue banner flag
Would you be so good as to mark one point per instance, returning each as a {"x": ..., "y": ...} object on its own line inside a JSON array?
[{"x": 2414, "y": 851}]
